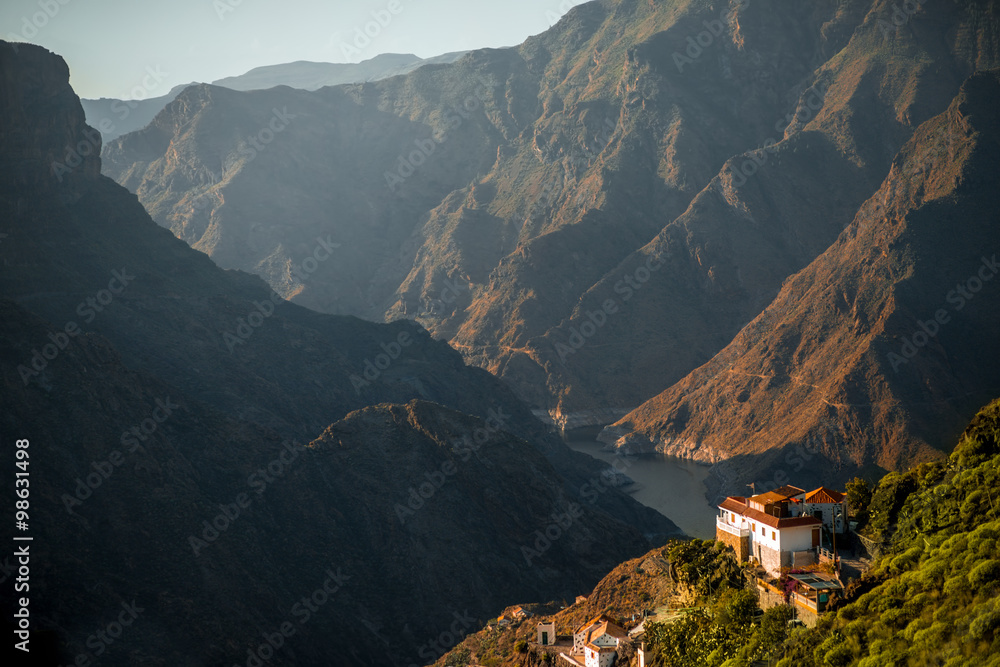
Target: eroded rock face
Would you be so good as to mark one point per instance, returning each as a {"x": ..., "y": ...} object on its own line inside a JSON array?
[
  {"x": 872, "y": 356},
  {"x": 590, "y": 216},
  {"x": 163, "y": 398}
]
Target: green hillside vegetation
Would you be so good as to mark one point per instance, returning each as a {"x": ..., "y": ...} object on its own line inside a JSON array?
[
  {"x": 932, "y": 597},
  {"x": 727, "y": 629}
]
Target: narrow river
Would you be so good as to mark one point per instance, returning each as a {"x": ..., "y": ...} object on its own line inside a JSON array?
[{"x": 672, "y": 486}]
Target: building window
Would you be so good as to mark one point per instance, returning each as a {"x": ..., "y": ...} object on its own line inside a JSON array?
[
  {"x": 762, "y": 531},
  {"x": 772, "y": 535}
]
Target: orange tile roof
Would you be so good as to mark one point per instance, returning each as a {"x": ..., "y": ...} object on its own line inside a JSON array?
[
  {"x": 595, "y": 620},
  {"x": 824, "y": 495},
  {"x": 777, "y": 495},
  {"x": 767, "y": 498},
  {"x": 608, "y": 628},
  {"x": 732, "y": 505}
]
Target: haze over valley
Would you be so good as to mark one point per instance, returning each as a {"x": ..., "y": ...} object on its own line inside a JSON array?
[{"x": 354, "y": 341}]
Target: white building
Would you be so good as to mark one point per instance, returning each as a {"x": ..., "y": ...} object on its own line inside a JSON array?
[
  {"x": 828, "y": 505},
  {"x": 778, "y": 528},
  {"x": 546, "y": 634},
  {"x": 597, "y": 641}
]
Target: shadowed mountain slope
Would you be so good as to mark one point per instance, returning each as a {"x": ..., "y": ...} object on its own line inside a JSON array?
[{"x": 162, "y": 396}]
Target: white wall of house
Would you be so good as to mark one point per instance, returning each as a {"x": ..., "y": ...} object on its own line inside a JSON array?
[
  {"x": 546, "y": 634},
  {"x": 764, "y": 535},
  {"x": 796, "y": 538}
]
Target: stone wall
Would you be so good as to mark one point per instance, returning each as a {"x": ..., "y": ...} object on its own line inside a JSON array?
[
  {"x": 770, "y": 559},
  {"x": 803, "y": 558},
  {"x": 741, "y": 545}
]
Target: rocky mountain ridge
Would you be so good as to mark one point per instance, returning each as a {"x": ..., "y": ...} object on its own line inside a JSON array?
[
  {"x": 115, "y": 117},
  {"x": 228, "y": 462},
  {"x": 595, "y": 215},
  {"x": 590, "y": 216},
  {"x": 872, "y": 356}
]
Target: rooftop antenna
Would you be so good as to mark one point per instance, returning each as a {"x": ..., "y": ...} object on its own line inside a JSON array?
[{"x": 753, "y": 487}]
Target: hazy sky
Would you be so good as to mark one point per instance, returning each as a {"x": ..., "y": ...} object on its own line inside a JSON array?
[{"x": 112, "y": 45}]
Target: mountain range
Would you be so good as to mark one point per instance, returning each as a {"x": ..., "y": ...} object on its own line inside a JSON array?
[
  {"x": 222, "y": 463},
  {"x": 599, "y": 216},
  {"x": 114, "y": 117},
  {"x": 289, "y": 353}
]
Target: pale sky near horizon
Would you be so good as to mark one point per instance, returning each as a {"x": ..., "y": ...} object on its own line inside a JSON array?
[{"x": 112, "y": 45}]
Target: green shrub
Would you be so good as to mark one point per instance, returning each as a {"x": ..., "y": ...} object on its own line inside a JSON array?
[
  {"x": 957, "y": 586},
  {"x": 984, "y": 573},
  {"x": 840, "y": 656},
  {"x": 984, "y": 627},
  {"x": 895, "y": 618}
]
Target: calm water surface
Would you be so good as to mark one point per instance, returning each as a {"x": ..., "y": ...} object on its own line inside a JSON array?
[{"x": 672, "y": 486}]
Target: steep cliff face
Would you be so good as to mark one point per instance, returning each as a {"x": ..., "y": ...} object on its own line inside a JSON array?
[
  {"x": 58, "y": 145},
  {"x": 874, "y": 355},
  {"x": 590, "y": 216},
  {"x": 162, "y": 396}
]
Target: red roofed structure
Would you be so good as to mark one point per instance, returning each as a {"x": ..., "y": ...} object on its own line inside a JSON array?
[{"x": 780, "y": 528}]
